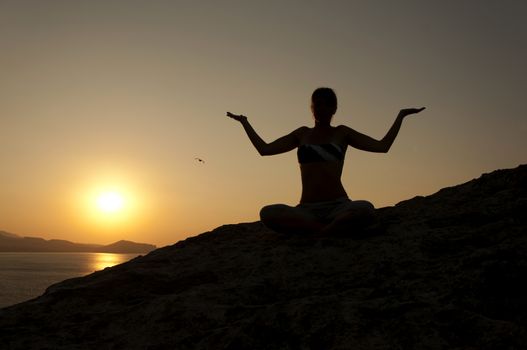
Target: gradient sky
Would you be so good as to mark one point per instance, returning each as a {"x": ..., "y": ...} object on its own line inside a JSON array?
[{"x": 123, "y": 95}]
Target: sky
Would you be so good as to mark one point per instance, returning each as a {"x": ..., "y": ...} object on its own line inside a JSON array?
[{"x": 122, "y": 95}]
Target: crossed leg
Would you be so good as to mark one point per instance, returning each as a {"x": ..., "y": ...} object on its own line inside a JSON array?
[
  {"x": 285, "y": 219},
  {"x": 355, "y": 215}
]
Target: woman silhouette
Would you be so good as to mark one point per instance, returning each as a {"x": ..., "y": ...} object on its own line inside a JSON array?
[{"x": 324, "y": 205}]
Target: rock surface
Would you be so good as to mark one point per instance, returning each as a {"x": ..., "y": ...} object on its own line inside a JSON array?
[{"x": 447, "y": 271}]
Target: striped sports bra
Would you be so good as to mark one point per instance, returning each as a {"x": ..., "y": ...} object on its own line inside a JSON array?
[{"x": 327, "y": 152}]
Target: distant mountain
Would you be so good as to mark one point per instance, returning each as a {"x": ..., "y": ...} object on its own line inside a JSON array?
[
  {"x": 9, "y": 235},
  {"x": 128, "y": 247},
  {"x": 10, "y": 242}
]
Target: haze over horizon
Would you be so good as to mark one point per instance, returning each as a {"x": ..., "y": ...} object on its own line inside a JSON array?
[{"x": 120, "y": 97}]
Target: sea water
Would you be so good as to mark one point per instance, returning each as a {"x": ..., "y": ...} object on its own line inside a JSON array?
[{"x": 24, "y": 276}]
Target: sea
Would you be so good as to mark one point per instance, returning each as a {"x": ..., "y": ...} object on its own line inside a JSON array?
[{"x": 24, "y": 276}]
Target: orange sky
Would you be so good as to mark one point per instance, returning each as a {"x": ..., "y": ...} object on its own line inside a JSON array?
[{"x": 123, "y": 95}]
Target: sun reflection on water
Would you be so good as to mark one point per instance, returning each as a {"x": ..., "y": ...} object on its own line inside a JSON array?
[{"x": 103, "y": 260}]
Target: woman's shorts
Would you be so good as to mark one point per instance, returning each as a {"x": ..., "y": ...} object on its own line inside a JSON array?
[{"x": 327, "y": 211}]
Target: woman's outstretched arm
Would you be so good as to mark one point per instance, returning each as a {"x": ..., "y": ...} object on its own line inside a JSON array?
[
  {"x": 283, "y": 144},
  {"x": 366, "y": 143}
]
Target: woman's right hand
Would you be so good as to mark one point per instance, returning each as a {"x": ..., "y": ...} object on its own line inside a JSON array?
[
  {"x": 237, "y": 117},
  {"x": 407, "y": 111}
]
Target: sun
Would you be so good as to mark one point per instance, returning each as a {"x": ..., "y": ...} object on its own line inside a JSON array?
[{"x": 110, "y": 202}]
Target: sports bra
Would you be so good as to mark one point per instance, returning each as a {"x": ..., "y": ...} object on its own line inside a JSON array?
[{"x": 327, "y": 152}]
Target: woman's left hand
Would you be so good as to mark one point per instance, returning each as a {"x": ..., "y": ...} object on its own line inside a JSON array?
[{"x": 236, "y": 117}]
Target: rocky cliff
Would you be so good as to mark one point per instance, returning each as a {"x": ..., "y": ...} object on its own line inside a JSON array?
[{"x": 447, "y": 271}]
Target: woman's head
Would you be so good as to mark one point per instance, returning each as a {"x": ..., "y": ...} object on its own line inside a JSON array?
[{"x": 323, "y": 104}]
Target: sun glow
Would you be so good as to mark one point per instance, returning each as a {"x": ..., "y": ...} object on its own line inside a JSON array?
[
  {"x": 109, "y": 206},
  {"x": 110, "y": 202}
]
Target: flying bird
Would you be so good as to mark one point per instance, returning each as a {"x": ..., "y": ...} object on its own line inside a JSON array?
[{"x": 199, "y": 160}]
